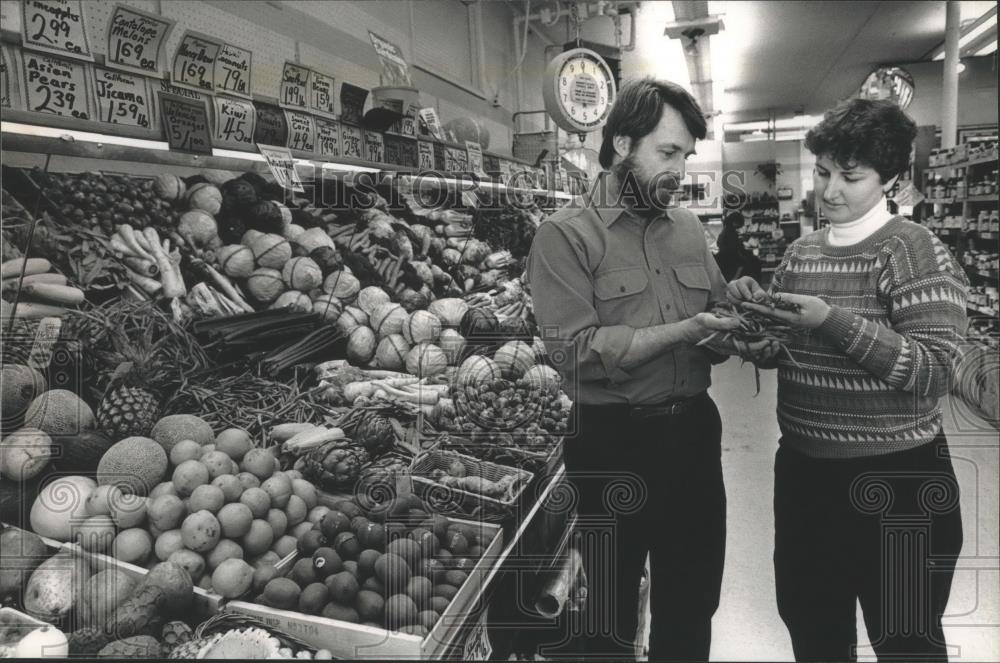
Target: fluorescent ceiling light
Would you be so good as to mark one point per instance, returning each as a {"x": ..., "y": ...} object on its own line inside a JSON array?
[
  {"x": 82, "y": 136},
  {"x": 984, "y": 23},
  {"x": 798, "y": 122}
]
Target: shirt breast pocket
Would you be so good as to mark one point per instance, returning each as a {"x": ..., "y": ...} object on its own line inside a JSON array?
[
  {"x": 695, "y": 287},
  {"x": 620, "y": 297}
]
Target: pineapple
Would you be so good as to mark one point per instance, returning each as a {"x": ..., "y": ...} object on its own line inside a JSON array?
[{"x": 131, "y": 406}]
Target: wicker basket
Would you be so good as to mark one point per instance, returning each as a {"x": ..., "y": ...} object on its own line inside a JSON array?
[{"x": 424, "y": 466}]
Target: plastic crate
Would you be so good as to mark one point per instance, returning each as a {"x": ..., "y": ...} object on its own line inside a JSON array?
[{"x": 438, "y": 459}]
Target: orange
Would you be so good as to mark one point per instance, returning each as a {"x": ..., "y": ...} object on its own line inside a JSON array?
[
  {"x": 258, "y": 501},
  {"x": 189, "y": 475},
  {"x": 235, "y": 519},
  {"x": 207, "y": 497},
  {"x": 259, "y": 463}
]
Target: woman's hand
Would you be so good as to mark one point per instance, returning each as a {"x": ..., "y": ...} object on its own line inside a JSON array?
[
  {"x": 745, "y": 289},
  {"x": 811, "y": 313}
]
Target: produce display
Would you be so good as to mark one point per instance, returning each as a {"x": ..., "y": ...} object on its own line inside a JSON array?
[{"x": 216, "y": 392}]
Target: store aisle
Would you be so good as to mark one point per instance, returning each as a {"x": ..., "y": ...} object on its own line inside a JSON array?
[{"x": 747, "y": 625}]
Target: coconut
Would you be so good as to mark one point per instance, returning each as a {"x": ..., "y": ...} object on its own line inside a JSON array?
[
  {"x": 391, "y": 353},
  {"x": 293, "y": 300},
  {"x": 236, "y": 261},
  {"x": 328, "y": 306},
  {"x": 514, "y": 358},
  {"x": 265, "y": 284},
  {"x": 477, "y": 370},
  {"x": 302, "y": 274},
  {"x": 271, "y": 250},
  {"x": 206, "y": 197},
  {"x": 388, "y": 319},
  {"x": 351, "y": 317},
  {"x": 452, "y": 343},
  {"x": 361, "y": 345},
  {"x": 342, "y": 284},
  {"x": 372, "y": 297},
  {"x": 198, "y": 228},
  {"x": 425, "y": 360},
  {"x": 421, "y": 326},
  {"x": 169, "y": 187}
]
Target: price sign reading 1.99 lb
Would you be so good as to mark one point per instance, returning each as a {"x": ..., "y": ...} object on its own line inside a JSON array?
[
  {"x": 294, "y": 91},
  {"x": 55, "y": 86},
  {"x": 234, "y": 123},
  {"x": 123, "y": 98},
  {"x": 301, "y": 131},
  {"x": 136, "y": 40},
  {"x": 194, "y": 63},
  {"x": 232, "y": 71},
  {"x": 56, "y": 26}
]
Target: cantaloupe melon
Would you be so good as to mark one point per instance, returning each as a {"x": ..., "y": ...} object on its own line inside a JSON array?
[
  {"x": 173, "y": 428},
  {"x": 136, "y": 465},
  {"x": 21, "y": 385},
  {"x": 59, "y": 412}
]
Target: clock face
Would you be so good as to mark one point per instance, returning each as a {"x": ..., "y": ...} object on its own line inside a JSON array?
[{"x": 580, "y": 90}]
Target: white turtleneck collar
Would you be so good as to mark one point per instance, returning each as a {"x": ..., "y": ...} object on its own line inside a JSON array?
[{"x": 846, "y": 234}]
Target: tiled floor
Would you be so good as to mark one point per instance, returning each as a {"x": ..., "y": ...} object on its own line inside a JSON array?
[{"x": 747, "y": 626}]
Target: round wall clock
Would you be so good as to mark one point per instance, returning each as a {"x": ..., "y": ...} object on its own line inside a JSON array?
[{"x": 579, "y": 90}]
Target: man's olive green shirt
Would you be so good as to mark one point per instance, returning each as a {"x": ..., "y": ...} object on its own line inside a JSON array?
[{"x": 597, "y": 274}]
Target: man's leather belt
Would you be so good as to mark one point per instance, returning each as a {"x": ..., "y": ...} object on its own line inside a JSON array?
[{"x": 668, "y": 408}]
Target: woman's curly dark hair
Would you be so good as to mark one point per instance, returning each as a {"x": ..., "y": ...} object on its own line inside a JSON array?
[{"x": 862, "y": 131}]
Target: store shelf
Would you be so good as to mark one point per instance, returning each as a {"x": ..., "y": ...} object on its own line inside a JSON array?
[
  {"x": 989, "y": 198},
  {"x": 963, "y": 164},
  {"x": 941, "y": 201}
]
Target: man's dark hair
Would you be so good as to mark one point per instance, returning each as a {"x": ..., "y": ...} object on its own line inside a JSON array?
[
  {"x": 638, "y": 109},
  {"x": 877, "y": 134}
]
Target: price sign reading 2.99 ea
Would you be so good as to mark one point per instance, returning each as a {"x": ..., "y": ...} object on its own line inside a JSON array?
[
  {"x": 122, "y": 98},
  {"x": 136, "y": 40},
  {"x": 234, "y": 123},
  {"x": 56, "y": 26},
  {"x": 194, "y": 63}
]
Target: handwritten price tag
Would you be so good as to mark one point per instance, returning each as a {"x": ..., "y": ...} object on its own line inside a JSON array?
[
  {"x": 408, "y": 152},
  {"x": 123, "y": 98},
  {"x": 327, "y": 138},
  {"x": 272, "y": 127},
  {"x": 393, "y": 154},
  {"x": 301, "y": 131},
  {"x": 455, "y": 160},
  {"x": 425, "y": 155},
  {"x": 474, "y": 156},
  {"x": 374, "y": 147},
  {"x": 282, "y": 165},
  {"x": 294, "y": 86},
  {"x": 232, "y": 71},
  {"x": 55, "y": 86},
  {"x": 56, "y": 26},
  {"x": 351, "y": 141},
  {"x": 185, "y": 122},
  {"x": 321, "y": 97},
  {"x": 478, "y": 646},
  {"x": 352, "y": 103},
  {"x": 234, "y": 123},
  {"x": 194, "y": 62},
  {"x": 136, "y": 40}
]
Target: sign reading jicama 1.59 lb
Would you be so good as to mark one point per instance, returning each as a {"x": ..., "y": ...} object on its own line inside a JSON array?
[
  {"x": 351, "y": 141},
  {"x": 233, "y": 71},
  {"x": 327, "y": 138},
  {"x": 374, "y": 147},
  {"x": 56, "y": 26},
  {"x": 194, "y": 63},
  {"x": 123, "y": 98},
  {"x": 55, "y": 86},
  {"x": 294, "y": 92},
  {"x": 136, "y": 40},
  {"x": 185, "y": 122},
  {"x": 301, "y": 131},
  {"x": 234, "y": 123}
]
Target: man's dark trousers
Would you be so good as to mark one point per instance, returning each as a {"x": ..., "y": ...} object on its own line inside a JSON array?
[{"x": 649, "y": 485}]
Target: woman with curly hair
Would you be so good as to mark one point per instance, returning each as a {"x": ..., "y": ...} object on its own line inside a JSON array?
[{"x": 865, "y": 499}]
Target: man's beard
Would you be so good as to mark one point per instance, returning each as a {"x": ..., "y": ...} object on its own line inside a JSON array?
[{"x": 645, "y": 197}]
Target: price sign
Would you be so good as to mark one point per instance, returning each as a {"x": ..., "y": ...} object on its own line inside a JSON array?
[
  {"x": 351, "y": 141},
  {"x": 327, "y": 138},
  {"x": 394, "y": 68},
  {"x": 234, "y": 123},
  {"x": 474, "y": 157},
  {"x": 9, "y": 88},
  {"x": 392, "y": 150},
  {"x": 374, "y": 147},
  {"x": 185, "y": 122},
  {"x": 271, "y": 127},
  {"x": 430, "y": 119},
  {"x": 136, "y": 40},
  {"x": 478, "y": 646},
  {"x": 301, "y": 131},
  {"x": 55, "y": 86},
  {"x": 56, "y": 26},
  {"x": 294, "y": 86},
  {"x": 505, "y": 171},
  {"x": 352, "y": 103},
  {"x": 425, "y": 155},
  {"x": 408, "y": 152},
  {"x": 455, "y": 160},
  {"x": 123, "y": 98},
  {"x": 282, "y": 166},
  {"x": 194, "y": 63},
  {"x": 232, "y": 71},
  {"x": 321, "y": 97}
]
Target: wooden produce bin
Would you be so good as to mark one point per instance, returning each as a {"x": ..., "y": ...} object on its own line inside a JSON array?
[{"x": 350, "y": 641}]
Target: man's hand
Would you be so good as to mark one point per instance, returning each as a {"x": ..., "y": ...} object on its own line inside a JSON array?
[
  {"x": 811, "y": 314},
  {"x": 757, "y": 351},
  {"x": 745, "y": 289},
  {"x": 704, "y": 325}
]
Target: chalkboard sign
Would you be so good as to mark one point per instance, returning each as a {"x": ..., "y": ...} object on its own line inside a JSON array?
[
  {"x": 294, "y": 86},
  {"x": 136, "y": 41},
  {"x": 272, "y": 127},
  {"x": 351, "y": 141},
  {"x": 352, "y": 103},
  {"x": 56, "y": 26},
  {"x": 194, "y": 62},
  {"x": 185, "y": 122},
  {"x": 55, "y": 86},
  {"x": 327, "y": 138},
  {"x": 234, "y": 123},
  {"x": 233, "y": 68},
  {"x": 374, "y": 147},
  {"x": 301, "y": 131},
  {"x": 321, "y": 96},
  {"x": 123, "y": 98}
]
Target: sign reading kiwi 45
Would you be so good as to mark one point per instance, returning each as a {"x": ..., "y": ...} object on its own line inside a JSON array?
[{"x": 579, "y": 90}]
